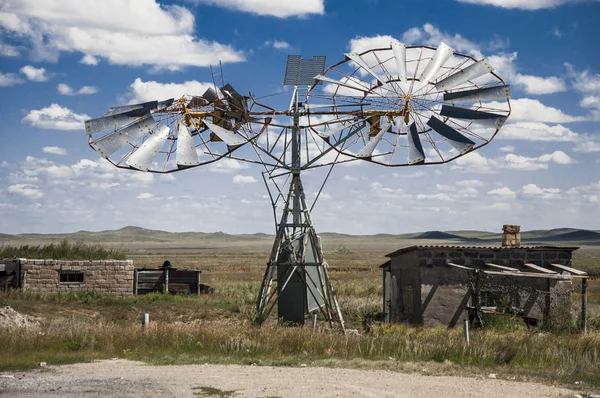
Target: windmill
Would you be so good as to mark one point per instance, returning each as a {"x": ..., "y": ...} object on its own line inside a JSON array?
[{"x": 394, "y": 106}]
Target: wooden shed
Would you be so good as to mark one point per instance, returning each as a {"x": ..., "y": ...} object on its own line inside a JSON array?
[{"x": 442, "y": 285}]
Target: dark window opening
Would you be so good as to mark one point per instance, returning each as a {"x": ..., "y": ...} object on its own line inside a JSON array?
[
  {"x": 499, "y": 299},
  {"x": 70, "y": 276}
]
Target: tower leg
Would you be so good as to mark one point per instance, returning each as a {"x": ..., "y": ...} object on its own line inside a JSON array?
[{"x": 296, "y": 277}]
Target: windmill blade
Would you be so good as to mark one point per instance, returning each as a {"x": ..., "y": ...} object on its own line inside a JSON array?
[
  {"x": 367, "y": 151},
  {"x": 142, "y": 158},
  {"x": 399, "y": 50},
  {"x": 485, "y": 118},
  {"x": 165, "y": 103},
  {"x": 230, "y": 138},
  {"x": 442, "y": 54},
  {"x": 471, "y": 72},
  {"x": 115, "y": 121},
  {"x": 462, "y": 113},
  {"x": 360, "y": 62},
  {"x": 461, "y": 143},
  {"x": 349, "y": 83},
  {"x": 333, "y": 131},
  {"x": 116, "y": 140},
  {"x": 210, "y": 95},
  {"x": 127, "y": 108},
  {"x": 480, "y": 94},
  {"x": 186, "y": 151},
  {"x": 415, "y": 148}
]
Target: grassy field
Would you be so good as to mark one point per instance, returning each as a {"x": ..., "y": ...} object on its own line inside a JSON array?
[{"x": 217, "y": 328}]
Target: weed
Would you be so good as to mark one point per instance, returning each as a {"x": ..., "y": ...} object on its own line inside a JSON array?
[{"x": 213, "y": 392}]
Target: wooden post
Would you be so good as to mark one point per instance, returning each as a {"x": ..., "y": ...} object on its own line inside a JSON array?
[
  {"x": 466, "y": 329},
  {"x": 166, "y": 280},
  {"x": 584, "y": 305},
  {"x": 135, "y": 282}
]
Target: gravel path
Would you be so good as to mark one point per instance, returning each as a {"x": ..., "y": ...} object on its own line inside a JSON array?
[{"x": 122, "y": 378}]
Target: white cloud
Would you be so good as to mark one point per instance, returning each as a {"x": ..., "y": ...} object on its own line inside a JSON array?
[
  {"x": 590, "y": 101},
  {"x": 278, "y": 45},
  {"x": 504, "y": 65},
  {"x": 432, "y": 36},
  {"x": 125, "y": 32},
  {"x": 470, "y": 183},
  {"x": 65, "y": 89},
  {"x": 531, "y": 110},
  {"x": 9, "y": 79},
  {"x": 584, "y": 81},
  {"x": 228, "y": 165},
  {"x": 9, "y": 51},
  {"x": 556, "y": 157},
  {"x": 525, "y": 4},
  {"x": 144, "y": 195},
  {"x": 476, "y": 163},
  {"x": 89, "y": 60},
  {"x": 437, "y": 196},
  {"x": 275, "y": 8},
  {"x": 28, "y": 190},
  {"x": 140, "y": 91},
  {"x": 441, "y": 187},
  {"x": 240, "y": 179},
  {"x": 55, "y": 150},
  {"x": 537, "y": 131},
  {"x": 56, "y": 117},
  {"x": 518, "y": 162},
  {"x": 532, "y": 190},
  {"x": 506, "y": 148},
  {"x": 504, "y": 192},
  {"x": 34, "y": 74}
]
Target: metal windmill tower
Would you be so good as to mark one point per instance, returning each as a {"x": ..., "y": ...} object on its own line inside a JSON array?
[{"x": 395, "y": 106}]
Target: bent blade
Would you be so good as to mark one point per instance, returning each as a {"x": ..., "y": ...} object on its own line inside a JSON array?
[
  {"x": 367, "y": 151},
  {"x": 229, "y": 137},
  {"x": 116, "y": 140},
  {"x": 479, "y": 94},
  {"x": 360, "y": 62},
  {"x": 142, "y": 158}
]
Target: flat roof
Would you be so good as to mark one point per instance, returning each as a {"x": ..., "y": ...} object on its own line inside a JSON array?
[{"x": 482, "y": 248}]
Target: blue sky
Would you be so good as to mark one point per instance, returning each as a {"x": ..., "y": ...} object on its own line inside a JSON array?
[{"x": 63, "y": 62}]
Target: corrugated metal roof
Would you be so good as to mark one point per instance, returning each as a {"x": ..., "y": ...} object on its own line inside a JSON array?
[{"x": 481, "y": 248}]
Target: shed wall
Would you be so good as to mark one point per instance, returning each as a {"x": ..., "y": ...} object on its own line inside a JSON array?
[
  {"x": 442, "y": 293},
  {"x": 107, "y": 276}
]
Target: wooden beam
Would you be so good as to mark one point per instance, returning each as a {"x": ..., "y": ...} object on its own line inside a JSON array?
[
  {"x": 460, "y": 266},
  {"x": 502, "y": 267},
  {"x": 539, "y": 269},
  {"x": 569, "y": 269}
]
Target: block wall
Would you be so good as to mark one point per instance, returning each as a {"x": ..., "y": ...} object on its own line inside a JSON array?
[{"x": 105, "y": 276}]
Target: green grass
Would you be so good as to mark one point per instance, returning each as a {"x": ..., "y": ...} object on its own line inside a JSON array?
[{"x": 64, "y": 250}]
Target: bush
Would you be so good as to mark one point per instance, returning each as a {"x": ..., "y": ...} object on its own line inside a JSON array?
[{"x": 64, "y": 250}]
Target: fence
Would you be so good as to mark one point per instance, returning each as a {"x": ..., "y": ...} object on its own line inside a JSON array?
[{"x": 166, "y": 280}]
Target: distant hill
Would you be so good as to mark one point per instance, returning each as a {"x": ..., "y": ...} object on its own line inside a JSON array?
[
  {"x": 142, "y": 239},
  {"x": 443, "y": 236}
]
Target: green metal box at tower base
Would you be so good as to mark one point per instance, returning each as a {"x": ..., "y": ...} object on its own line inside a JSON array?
[{"x": 291, "y": 305}]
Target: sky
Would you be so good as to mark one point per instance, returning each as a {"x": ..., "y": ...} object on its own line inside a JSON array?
[{"x": 63, "y": 62}]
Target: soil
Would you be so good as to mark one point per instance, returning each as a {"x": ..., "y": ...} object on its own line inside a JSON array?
[
  {"x": 123, "y": 378},
  {"x": 10, "y": 318}
]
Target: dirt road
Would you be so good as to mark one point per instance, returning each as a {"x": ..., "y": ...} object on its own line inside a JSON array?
[{"x": 120, "y": 378}]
